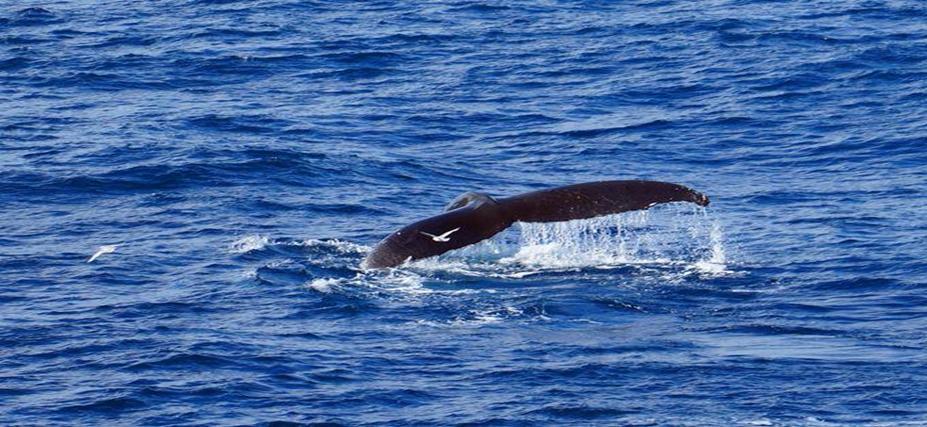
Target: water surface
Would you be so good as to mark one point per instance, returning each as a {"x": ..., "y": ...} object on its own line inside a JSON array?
[{"x": 247, "y": 154}]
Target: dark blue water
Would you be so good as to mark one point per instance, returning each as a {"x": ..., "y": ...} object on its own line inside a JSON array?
[{"x": 245, "y": 155}]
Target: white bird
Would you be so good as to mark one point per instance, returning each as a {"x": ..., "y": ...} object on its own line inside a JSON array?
[
  {"x": 105, "y": 249},
  {"x": 441, "y": 238}
]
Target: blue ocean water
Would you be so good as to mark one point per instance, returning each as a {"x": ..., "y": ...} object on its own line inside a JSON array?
[{"x": 245, "y": 156}]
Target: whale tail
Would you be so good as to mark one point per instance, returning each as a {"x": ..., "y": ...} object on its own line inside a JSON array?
[
  {"x": 594, "y": 199},
  {"x": 475, "y": 217}
]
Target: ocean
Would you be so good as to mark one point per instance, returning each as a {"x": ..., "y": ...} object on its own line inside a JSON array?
[{"x": 245, "y": 156}]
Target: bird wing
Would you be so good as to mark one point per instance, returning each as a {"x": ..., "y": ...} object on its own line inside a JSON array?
[
  {"x": 444, "y": 236},
  {"x": 105, "y": 249}
]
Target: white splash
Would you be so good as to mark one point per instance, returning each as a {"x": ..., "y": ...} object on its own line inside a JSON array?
[
  {"x": 672, "y": 242},
  {"x": 257, "y": 242},
  {"x": 398, "y": 283},
  {"x": 249, "y": 243},
  {"x": 716, "y": 263},
  {"x": 338, "y": 245},
  {"x": 323, "y": 285},
  {"x": 489, "y": 315},
  {"x": 664, "y": 235}
]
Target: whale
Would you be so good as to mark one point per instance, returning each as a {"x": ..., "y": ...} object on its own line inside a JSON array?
[{"x": 473, "y": 217}]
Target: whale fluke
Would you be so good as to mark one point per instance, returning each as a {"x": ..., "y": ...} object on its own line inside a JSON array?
[
  {"x": 594, "y": 199},
  {"x": 473, "y": 217}
]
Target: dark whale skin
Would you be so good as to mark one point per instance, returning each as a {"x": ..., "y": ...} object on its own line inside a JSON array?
[{"x": 480, "y": 217}]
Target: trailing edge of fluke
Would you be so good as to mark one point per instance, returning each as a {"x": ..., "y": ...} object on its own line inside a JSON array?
[{"x": 473, "y": 217}]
